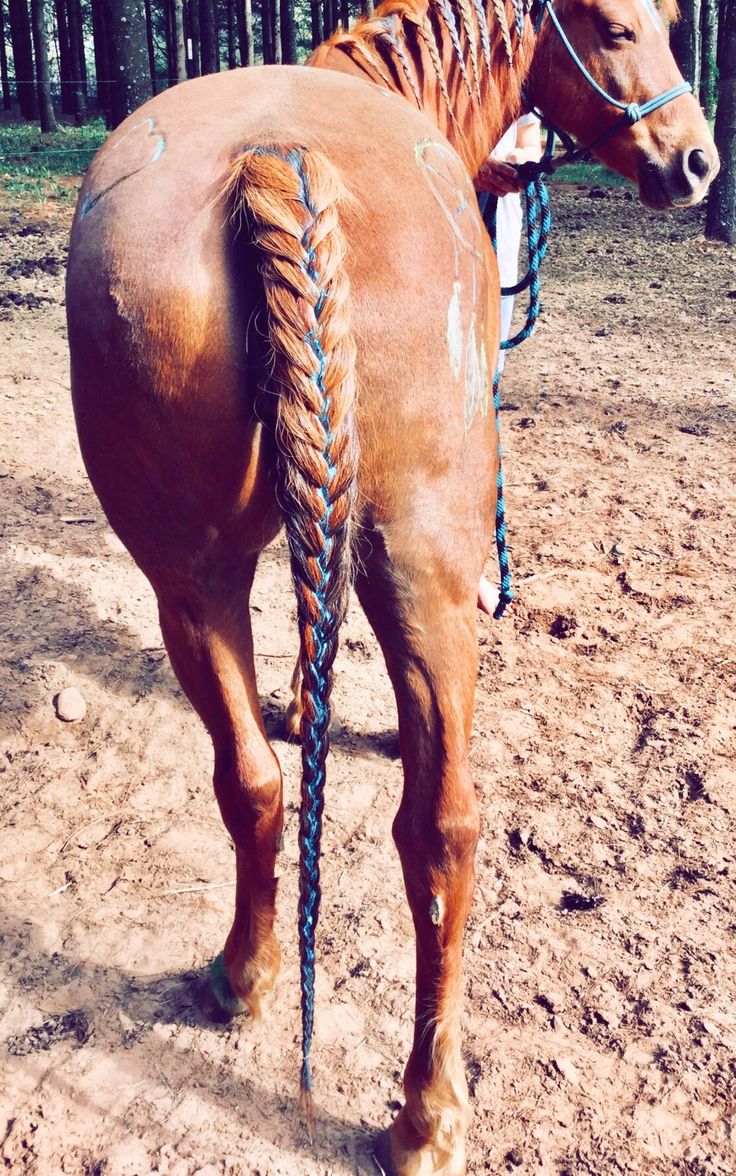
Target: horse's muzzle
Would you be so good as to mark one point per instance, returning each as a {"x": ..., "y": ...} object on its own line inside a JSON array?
[{"x": 684, "y": 182}]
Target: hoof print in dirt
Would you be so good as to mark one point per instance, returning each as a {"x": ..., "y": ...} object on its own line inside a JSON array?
[
  {"x": 73, "y": 1025},
  {"x": 573, "y": 903},
  {"x": 563, "y": 627}
]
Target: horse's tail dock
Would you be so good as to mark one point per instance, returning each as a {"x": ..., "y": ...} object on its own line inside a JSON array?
[{"x": 290, "y": 198}]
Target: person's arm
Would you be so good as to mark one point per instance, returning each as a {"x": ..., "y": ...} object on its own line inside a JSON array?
[{"x": 499, "y": 176}]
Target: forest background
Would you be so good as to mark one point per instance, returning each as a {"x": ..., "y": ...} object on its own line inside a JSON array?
[{"x": 66, "y": 62}]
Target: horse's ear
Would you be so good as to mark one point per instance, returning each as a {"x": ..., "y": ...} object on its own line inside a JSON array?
[{"x": 669, "y": 10}]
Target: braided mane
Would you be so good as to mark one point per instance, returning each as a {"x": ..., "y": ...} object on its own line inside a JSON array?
[{"x": 382, "y": 43}]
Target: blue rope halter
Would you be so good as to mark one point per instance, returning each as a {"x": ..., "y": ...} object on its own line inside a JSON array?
[{"x": 631, "y": 112}]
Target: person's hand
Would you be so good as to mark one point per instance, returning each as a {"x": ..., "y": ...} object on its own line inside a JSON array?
[{"x": 499, "y": 176}]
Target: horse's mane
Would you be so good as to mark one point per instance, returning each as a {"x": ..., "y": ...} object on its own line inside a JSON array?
[{"x": 375, "y": 37}]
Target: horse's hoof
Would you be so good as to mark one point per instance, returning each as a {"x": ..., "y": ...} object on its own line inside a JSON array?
[
  {"x": 222, "y": 990},
  {"x": 382, "y": 1157},
  {"x": 393, "y": 1157},
  {"x": 292, "y": 724}
]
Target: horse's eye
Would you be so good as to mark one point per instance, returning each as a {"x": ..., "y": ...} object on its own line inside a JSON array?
[{"x": 618, "y": 32}]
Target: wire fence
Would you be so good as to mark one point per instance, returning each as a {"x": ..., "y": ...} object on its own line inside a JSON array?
[{"x": 34, "y": 153}]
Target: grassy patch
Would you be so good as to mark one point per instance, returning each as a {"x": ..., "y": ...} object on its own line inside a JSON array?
[
  {"x": 590, "y": 173},
  {"x": 36, "y": 168}
]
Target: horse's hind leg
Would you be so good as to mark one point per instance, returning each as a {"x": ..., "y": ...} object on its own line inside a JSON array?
[
  {"x": 211, "y": 649},
  {"x": 423, "y": 611}
]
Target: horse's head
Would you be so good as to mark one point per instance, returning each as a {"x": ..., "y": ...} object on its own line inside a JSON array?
[{"x": 622, "y": 44}]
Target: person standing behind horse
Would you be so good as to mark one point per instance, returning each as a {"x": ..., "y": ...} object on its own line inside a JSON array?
[{"x": 521, "y": 143}]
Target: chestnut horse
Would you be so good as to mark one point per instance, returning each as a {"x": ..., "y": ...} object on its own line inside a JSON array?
[{"x": 283, "y": 310}]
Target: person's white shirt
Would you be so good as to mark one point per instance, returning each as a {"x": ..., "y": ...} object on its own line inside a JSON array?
[{"x": 515, "y": 146}]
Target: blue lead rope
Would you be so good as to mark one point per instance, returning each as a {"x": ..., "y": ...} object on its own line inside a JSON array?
[{"x": 538, "y": 222}]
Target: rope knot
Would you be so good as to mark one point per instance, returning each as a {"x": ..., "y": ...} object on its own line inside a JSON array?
[{"x": 633, "y": 112}]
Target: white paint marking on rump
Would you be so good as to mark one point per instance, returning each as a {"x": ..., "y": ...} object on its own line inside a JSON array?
[{"x": 455, "y": 331}]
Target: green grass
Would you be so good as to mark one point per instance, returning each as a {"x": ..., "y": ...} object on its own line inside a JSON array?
[
  {"x": 590, "y": 173},
  {"x": 36, "y": 167}
]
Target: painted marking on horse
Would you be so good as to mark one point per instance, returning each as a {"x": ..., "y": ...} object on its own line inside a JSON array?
[
  {"x": 89, "y": 201},
  {"x": 455, "y": 331},
  {"x": 452, "y": 188},
  {"x": 477, "y": 381}
]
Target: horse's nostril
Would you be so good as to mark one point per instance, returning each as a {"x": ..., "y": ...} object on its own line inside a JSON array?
[{"x": 697, "y": 163}]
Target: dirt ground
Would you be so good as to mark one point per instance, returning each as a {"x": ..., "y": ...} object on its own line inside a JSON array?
[{"x": 599, "y": 1040}]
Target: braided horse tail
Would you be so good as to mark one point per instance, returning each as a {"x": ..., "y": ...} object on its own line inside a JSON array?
[{"x": 290, "y": 196}]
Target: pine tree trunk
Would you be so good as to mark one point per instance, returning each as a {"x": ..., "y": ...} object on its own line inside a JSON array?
[
  {"x": 4, "y": 79},
  {"x": 232, "y": 59},
  {"x": 288, "y": 32},
  {"x": 20, "y": 40},
  {"x": 330, "y": 17},
  {"x": 316, "y": 15},
  {"x": 180, "y": 49},
  {"x": 345, "y": 14},
  {"x": 708, "y": 56},
  {"x": 103, "y": 66},
  {"x": 47, "y": 118},
  {"x": 720, "y": 222},
  {"x": 194, "y": 58},
  {"x": 76, "y": 28},
  {"x": 369, "y": 8},
  {"x": 208, "y": 37},
  {"x": 79, "y": 102},
  {"x": 149, "y": 45},
  {"x": 685, "y": 41},
  {"x": 65, "y": 59},
  {"x": 266, "y": 31},
  {"x": 167, "y": 8},
  {"x": 276, "y": 30},
  {"x": 129, "y": 56},
  {"x": 245, "y": 31}
]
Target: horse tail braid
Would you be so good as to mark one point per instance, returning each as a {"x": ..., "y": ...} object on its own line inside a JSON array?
[{"x": 291, "y": 198}]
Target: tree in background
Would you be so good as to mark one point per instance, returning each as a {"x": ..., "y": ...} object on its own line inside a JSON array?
[
  {"x": 209, "y": 41},
  {"x": 685, "y": 41},
  {"x": 140, "y": 46},
  {"x": 720, "y": 222},
  {"x": 176, "y": 9},
  {"x": 708, "y": 56},
  {"x": 77, "y": 61},
  {"x": 41, "y": 55},
  {"x": 4, "y": 76},
  {"x": 288, "y": 33},
  {"x": 125, "y": 22},
  {"x": 20, "y": 40}
]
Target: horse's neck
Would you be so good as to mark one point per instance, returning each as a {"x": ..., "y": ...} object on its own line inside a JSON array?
[{"x": 460, "y": 61}]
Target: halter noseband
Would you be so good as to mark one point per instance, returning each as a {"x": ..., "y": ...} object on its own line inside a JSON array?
[{"x": 631, "y": 112}]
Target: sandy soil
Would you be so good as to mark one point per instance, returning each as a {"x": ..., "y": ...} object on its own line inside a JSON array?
[{"x": 598, "y": 1041}]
